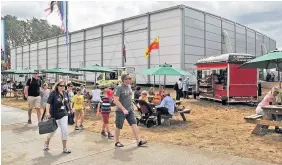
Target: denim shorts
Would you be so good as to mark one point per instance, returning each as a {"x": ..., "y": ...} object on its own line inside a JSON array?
[{"x": 120, "y": 117}]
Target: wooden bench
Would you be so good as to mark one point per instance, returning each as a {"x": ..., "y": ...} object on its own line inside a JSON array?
[
  {"x": 185, "y": 111},
  {"x": 166, "y": 119},
  {"x": 260, "y": 122},
  {"x": 182, "y": 113}
]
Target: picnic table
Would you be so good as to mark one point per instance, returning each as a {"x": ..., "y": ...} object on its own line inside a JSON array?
[{"x": 260, "y": 120}]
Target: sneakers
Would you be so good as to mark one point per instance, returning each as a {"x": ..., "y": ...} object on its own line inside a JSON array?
[
  {"x": 29, "y": 122},
  {"x": 76, "y": 127},
  {"x": 67, "y": 151},
  {"x": 110, "y": 135},
  {"x": 103, "y": 133},
  {"x": 81, "y": 126},
  {"x": 46, "y": 147}
]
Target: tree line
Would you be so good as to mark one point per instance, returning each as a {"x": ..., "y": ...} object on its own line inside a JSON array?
[{"x": 20, "y": 32}]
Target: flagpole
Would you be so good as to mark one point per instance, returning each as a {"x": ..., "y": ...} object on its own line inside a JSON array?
[
  {"x": 67, "y": 38},
  {"x": 159, "y": 61}
]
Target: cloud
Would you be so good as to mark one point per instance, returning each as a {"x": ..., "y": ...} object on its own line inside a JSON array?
[{"x": 261, "y": 16}]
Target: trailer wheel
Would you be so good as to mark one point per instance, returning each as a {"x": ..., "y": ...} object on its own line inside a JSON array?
[{"x": 224, "y": 100}]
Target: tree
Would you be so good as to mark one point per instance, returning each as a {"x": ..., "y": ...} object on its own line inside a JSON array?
[{"x": 21, "y": 32}]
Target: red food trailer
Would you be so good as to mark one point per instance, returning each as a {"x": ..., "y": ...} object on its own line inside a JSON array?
[{"x": 219, "y": 78}]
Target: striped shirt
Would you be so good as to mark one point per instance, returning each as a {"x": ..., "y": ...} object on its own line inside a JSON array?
[{"x": 106, "y": 105}]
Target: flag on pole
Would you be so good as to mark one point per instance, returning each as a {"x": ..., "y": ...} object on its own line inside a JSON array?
[
  {"x": 152, "y": 46},
  {"x": 124, "y": 53},
  {"x": 51, "y": 8},
  {"x": 63, "y": 12}
]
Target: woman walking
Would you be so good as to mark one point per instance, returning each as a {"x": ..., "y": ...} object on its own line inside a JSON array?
[{"x": 59, "y": 103}]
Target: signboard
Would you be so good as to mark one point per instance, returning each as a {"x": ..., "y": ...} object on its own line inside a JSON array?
[{"x": 240, "y": 58}]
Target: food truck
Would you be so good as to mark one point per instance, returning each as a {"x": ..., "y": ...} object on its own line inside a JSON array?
[{"x": 220, "y": 78}]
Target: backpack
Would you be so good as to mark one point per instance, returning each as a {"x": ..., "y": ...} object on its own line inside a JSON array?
[{"x": 176, "y": 86}]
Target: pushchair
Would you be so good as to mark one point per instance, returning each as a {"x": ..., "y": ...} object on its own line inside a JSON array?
[{"x": 147, "y": 114}]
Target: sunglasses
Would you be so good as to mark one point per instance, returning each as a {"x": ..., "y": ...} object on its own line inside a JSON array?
[
  {"x": 61, "y": 85},
  {"x": 128, "y": 78}
]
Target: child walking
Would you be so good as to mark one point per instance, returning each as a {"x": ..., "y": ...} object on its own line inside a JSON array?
[
  {"x": 78, "y": 107},
  {"x": 105, "y": 110}
]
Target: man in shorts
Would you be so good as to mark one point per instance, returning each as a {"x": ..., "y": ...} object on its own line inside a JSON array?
[
  {"x": 124, "y": 110},
  {"x": 33, "y": 96}
]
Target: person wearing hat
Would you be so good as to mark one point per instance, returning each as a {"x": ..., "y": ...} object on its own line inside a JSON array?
[
  {"x": 124, "y": 110},
  {"x": 33, "y": 96}
]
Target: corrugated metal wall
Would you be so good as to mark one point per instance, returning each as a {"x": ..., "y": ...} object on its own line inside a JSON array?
[{"x": 185, "y": 34}]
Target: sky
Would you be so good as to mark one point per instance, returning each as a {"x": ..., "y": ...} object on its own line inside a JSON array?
[{"x": 265, "y": 17}]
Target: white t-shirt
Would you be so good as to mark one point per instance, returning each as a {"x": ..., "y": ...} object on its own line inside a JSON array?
[{"x": 96, "y": 95}]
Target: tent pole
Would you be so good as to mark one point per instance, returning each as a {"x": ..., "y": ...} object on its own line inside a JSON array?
[{"x": 278, "y": 70}]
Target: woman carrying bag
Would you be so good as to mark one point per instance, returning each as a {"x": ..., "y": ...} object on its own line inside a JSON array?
[{"x": 59, "y": 103}]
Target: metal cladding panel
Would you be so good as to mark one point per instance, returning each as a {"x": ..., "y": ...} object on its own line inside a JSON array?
[
  {"x": 13, "y": 58},
  {"x": 212, "y": 52},
  {"x": 19, "y": 60},
  {"x": 259, "y": 49},
  {"x": 26, "y": 59},
  {"x": 26, "y": 48},
  {"x": 240, "y": 29},
  {"x": 166, "y": 25},
  {"x": 190, "y": 59},
  {"x": 76, "y": 54},
  {"x": 272, "y": 45},
  {"x": 250, "y": 33},
  {"x": 75, "y": 37},
  {"x": 193, "y": 23},
  {"x": 62, "y": 40},
  {"x": 93, "y": 33},
  {"x": 193, "y": 41},
  {"x": 52, "y": 52},
  {"x": 194, "y": 32},
  {"x": 52, "y": 42},
  {"x": 42, "y": 54},
  {"x": 194, "y": 14},
  {"x": 135, "y": 44},
  {"x": 213, "y": 29},
  {"x": 165, "y": 15},
  {"x": 33, "y": 58},
  {"x": 19, "y": 49},
  {"x": 266, "y": 43},
  {"x": 63, "y": 56},
  {"x": 93, "y": 50},
  {"x": 42, "y": 44},
  {"x": 136, "y": 24},
  {"x": 42, "y": 59},
  {"x": 213, "y": 37},
  {"x": 33, "y": 46},
  {"x": 112, "y": 55},
  {"x": 194, "y": 50},
  {"x": 112, "y": 29},
  {"x": 52, "y": 63},
  {"x": 213, "y": 45},
  {"x": 213, "y": 20}
]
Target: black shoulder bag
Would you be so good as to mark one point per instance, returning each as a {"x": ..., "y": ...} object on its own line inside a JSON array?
[{"x": 49, "y": 125}]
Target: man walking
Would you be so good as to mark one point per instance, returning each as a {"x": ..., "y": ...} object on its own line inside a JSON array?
[
  {"x": 33, "y": 96},
  {"x": 124, "y": 110},
  {"x": 178, "y": 88}
]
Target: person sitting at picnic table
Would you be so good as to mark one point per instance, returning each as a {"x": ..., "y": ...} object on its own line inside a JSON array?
[
  {"x": 137, "y": 93},
  {"x": 96, "y": 94},
  {"x": 151, "y": 91},
  {"x": 144, "y": 96},
  {"x": 20, "y": 86},
  {"x": 269, "y": 98},
  {"x": 166, "y": 107}
]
